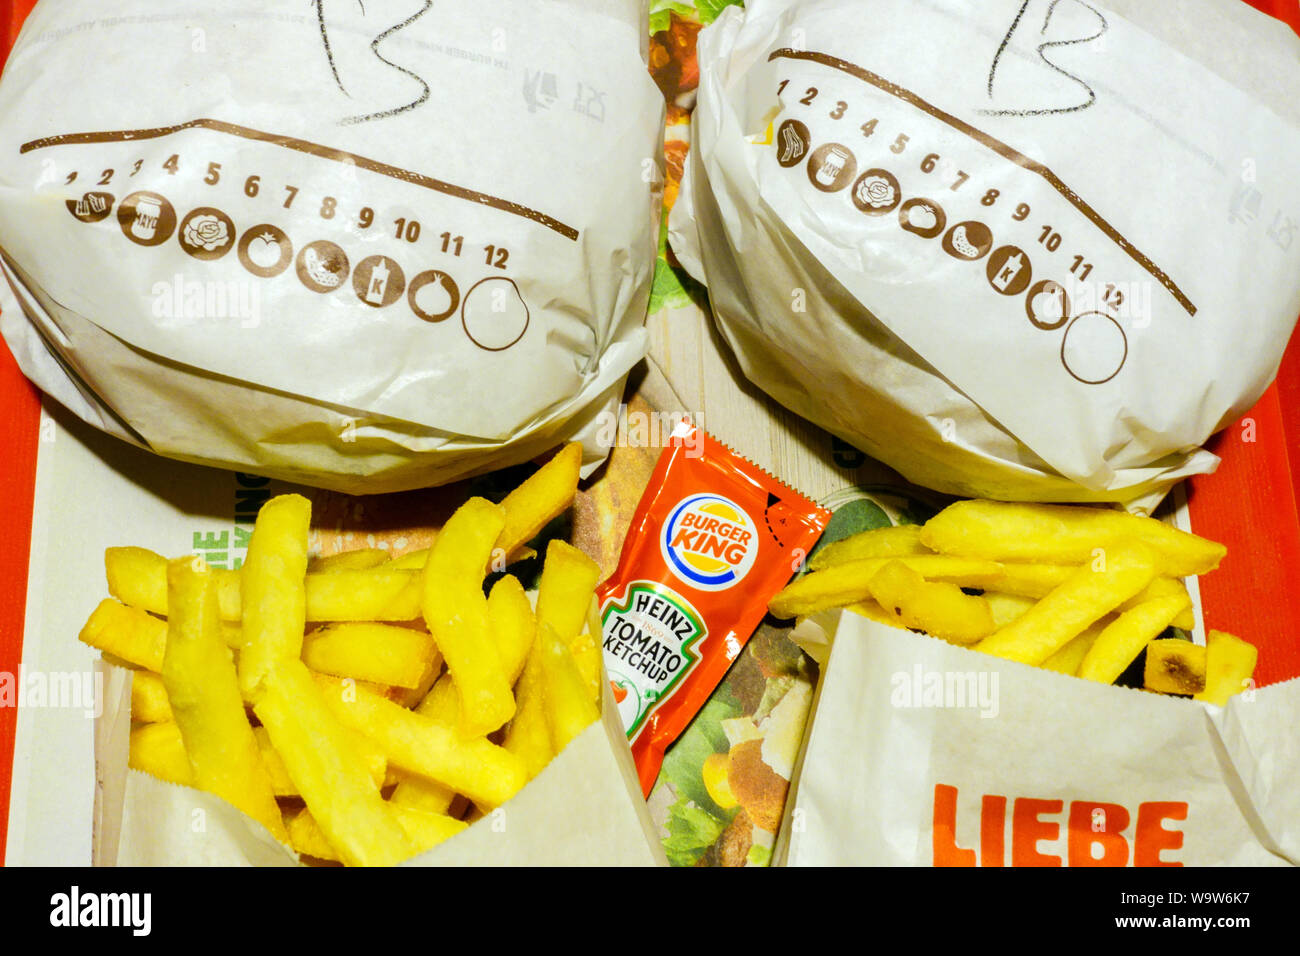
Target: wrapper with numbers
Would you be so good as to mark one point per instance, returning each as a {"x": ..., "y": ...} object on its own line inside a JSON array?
[
  {"x": 1017, "y": 250},
  {"x": 368, "y": 246}
]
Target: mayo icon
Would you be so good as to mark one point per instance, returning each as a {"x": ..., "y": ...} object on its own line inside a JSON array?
[
  {"x": 145, "y": 224},
  {"x": 832, "y": 165}
]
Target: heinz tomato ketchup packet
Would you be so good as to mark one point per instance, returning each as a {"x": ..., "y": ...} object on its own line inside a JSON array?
[{"x": 713, "y": 539}]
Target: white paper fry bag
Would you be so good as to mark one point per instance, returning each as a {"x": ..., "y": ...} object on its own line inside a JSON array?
[
  {"x": 73, "y": 799},
  {"x": 923, "y": 753},
  {"x": 1017, "y": 249},
  {"x": 363, "y": 246},
  {"x": 584, "y": 809}
]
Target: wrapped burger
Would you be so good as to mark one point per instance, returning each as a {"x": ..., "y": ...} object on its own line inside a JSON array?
[
  {"x": 364, "y": 246},
  {"x": 1019, "y": 250}
]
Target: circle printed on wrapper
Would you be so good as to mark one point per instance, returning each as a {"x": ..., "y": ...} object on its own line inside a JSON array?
[
  {"x": 91, "y": 207},
  {"x": 433, "y": 295},
  {"x": 831, "y": 167},
  {"x": 1094, "y": 348},
  {"x": 792, "y": 140},
  {"x": 922, "y": 217},
  {"x": 1009, "y": 270},
  {"x": 265, "y": 250},
  {"x": 322, "y": 266},
  {"x": 1047, "y": 305},
  {"x": 876, "y": 192},
  {"x": 968, "y": 240},
  {"x": 494, "y": 314},
  {"x": 206, "y": 233},
  {"x": 378, "y": 281},
  {"x": 709, "y": 542},
  {"x": 146, "y": 218}
]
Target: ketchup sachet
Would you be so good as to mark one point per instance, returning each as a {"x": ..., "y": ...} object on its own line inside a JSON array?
[{"x": 713, "y": 539}]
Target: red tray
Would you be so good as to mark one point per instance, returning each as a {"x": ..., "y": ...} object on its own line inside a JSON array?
[{"x": 1250, "y": 503}]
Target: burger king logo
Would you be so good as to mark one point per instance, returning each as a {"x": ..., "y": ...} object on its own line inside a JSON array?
[{"x": 709, "y": 542}]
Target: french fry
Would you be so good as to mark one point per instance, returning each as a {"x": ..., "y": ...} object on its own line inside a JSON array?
[
  {"x": 1033, "y": 580},
  {"x": 409, "y": 697},
  {"x": 529, "y": 736},
  {"x": 441, "y": 704},
  {"x": 411, "y": 561},
  {"x": 565, "y": 695},
  {"x": 324, "y": 765},
  {"x": 1229, "y": 664},
  {"x": 306, "y": 837},
  {"x": 425, "y": 829},
  {"x": 204, "y": 694},
  {"x": 456, "y": 613},
  {"x": 1175, "y": 666},
  {"x": 149, "y": 704},
  {"x": 564, "y": 597},
  {"x": 1068, "y": 658},
  {"x": 128, "y": 633},
  {"x": 138, "y": 577},
  {"x": 383, "y": 653},
  {"x": 370, "y": 594},
  {"x": 1120, "y": 643},
  {"x": 513, "y": 624},
  {"x": 938, "y": 608},
  {"x": 1162, "y": 587},
  {"x": 1062, "y": 534},
  {"x": 357, "y": 560},
  {"x": 373, "y": 760},
  {"x": 1067, "y": 611},
  {"x": 476, "y": 767},
  {"x": 543, "y": 496},
  {"x": 590, "y": 661},
  {"x": 846, "y": 583},
  {"x": 873, "y": 611},
  {"x": 159, "y": 750},
  {"x": 564, "y": 593},
  {"x": 272, "y": 589},
  {"x": 892, "y": 542},
  {"x": 1007, "y": 607},
  {"x": 281, "y": 784}
]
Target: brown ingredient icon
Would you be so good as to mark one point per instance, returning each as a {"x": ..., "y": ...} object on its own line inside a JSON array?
[
  {"x": 146, "y": 218},
  {"x": 792, "y": 141},
  {"x": 92, "y": 207},
  {"x": 876, "y": 192},
  {"x": 206, "y": 233},
  {"x": 378, "y": 281},
  {"x": 923, "y": 217},
  {"x": 433, "y": 295},
  {"x": 968, "y": 240},
  {"x": 265, "y": 250},
  {"x": 831, "y": 167},
  {"x": 1009, "y": 270},
  {"x": 322, "y": 266}
]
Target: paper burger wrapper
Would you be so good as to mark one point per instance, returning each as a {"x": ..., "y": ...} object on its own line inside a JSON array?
[
  {"x": 1008, "y": 254},
  {"x": 922, "y": 753},
  {"x": 369, "y": 247},
  {"x": 584, "y": 809}
]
